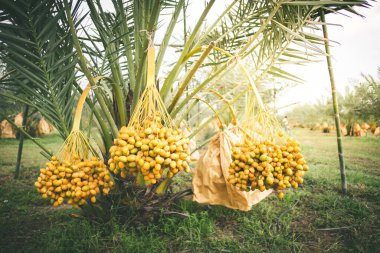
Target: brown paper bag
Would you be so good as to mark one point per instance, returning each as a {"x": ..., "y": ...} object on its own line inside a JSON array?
[{"x": 210, "y": 177}]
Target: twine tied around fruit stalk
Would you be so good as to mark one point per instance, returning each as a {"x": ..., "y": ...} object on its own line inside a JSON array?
[{"x": 149, "y": 37}]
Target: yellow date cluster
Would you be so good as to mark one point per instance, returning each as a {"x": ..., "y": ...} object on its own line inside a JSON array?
[
  {"x": 74, "y": 182},
  {"x": 265, "y": 165}
]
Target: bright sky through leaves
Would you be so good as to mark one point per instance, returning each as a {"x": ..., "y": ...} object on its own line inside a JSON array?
[{"x": 358, "y": 52}]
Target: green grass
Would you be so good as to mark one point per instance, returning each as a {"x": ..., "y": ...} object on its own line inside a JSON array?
[{"x": 314, "y": 218}]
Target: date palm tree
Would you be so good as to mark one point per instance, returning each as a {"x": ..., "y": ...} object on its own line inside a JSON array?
[{"x": 50, "y": 47}]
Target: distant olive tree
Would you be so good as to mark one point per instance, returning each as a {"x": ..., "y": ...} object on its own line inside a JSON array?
[{"x": 360, "y": 103}]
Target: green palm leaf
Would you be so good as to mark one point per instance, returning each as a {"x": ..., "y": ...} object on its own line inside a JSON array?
[{"x": 38, "y": 49}]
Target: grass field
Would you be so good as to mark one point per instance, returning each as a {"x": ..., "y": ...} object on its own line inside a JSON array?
[{"x": 314, "y": 218}]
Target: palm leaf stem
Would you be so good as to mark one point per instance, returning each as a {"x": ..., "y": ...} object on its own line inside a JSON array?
[
  {"x": 168, "y": 34},
  {"x": 180, "y": 63},
  {"x": 216, "y": 22},
  {"x": 110, "y": 49},
  {"x": 86, "y": 71},
  {"x": 190, "y": 75}
]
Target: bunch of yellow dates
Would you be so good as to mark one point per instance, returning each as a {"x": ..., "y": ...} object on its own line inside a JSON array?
[
  {"x": 155, "y": 151},
  {"x": 265, "y": 165},
  {"x": 74, "y": 182}
]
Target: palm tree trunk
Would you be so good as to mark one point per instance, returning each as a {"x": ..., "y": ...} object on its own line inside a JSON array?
[
  {"x": 21, "y": 143},
  {"x": 335, "y": 105},
  {"x": 184, "y": 44}
]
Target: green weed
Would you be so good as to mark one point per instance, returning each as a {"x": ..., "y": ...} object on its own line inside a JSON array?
[{"x": 313, "y": 218}]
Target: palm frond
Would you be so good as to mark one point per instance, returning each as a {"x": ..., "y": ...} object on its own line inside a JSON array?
[
  {"x": 272, "y": 34},
  {"x": 36, "y": 46}
]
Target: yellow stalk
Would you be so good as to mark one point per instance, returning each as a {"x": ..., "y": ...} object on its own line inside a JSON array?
[
  {"x": 151, "y": 67},
  {"x": 81, "y": 101},
  {"x": 223, "y": 51}
]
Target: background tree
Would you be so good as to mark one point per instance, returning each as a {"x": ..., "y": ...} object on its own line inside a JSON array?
[{"x": 359, "y": 103}]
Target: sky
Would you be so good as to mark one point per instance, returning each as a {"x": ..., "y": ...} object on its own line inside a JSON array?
[{"x": 358, "y": 52}]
